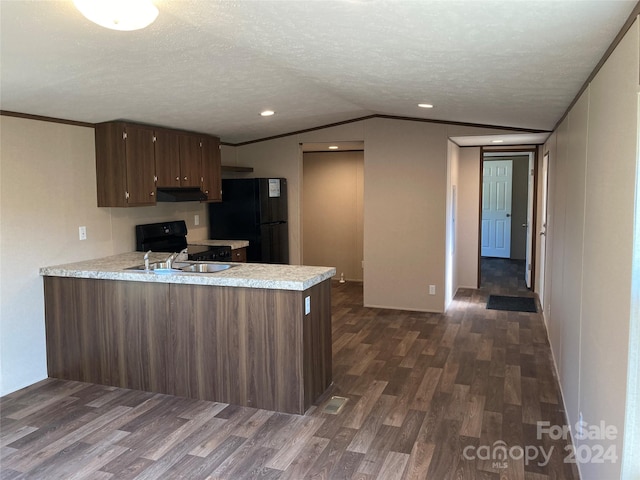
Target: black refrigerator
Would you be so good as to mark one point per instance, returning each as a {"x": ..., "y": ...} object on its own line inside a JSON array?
[{"x": 253, "y": 209}]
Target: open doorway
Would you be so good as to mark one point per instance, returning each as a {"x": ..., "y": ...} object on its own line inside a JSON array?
[
  {"x": 333, "y": 208},
  {"x": 507, "y": 205}
]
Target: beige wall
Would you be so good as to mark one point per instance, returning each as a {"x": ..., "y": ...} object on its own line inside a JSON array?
[
  {"x": 48, "y": 190},
  {"x": 405, "y": 197},
  {"x": 468, "y": 217},
  {"x": 593, "y": 161},
  {"x": 282, "y": 157},
  {"x": 333, "y": 215}
]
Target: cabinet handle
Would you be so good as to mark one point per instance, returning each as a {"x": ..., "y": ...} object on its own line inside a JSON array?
[
  {"x": 185, "y": 178},
  {"x": 152, "y": 193},
  {"x": 177, "y": 179},
  {"x": 206, "y": 191}
]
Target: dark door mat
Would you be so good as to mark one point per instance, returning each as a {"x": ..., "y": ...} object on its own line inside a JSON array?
[{"x": 512, "y": 304}]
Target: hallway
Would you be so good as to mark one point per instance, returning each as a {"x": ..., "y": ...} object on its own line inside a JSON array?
[{"x": 503, "y": 276}]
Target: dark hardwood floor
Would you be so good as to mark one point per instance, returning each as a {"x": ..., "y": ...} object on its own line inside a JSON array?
[
  {"x": 430, "y": 396},
  {"x": 503, "y": 276}
]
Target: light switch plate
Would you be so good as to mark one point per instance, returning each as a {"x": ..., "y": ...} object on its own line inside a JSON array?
[
  {"x": 307, "y": 305},
  {"x": 196, "y": 219},
  {"x": 82, "y": 233}
]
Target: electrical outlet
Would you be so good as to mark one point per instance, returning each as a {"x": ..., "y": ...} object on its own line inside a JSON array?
[
  {"x": 82, "y": 233},
  {"x": 307, "y": 305},
  {"x": 432, "y": 289},
  {"x": 196, "y": 220}
]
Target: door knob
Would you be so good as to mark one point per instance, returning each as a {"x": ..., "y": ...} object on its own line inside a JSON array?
[
  {"x": 524, "y": 225},
  {"x": 508, "y": 214}
]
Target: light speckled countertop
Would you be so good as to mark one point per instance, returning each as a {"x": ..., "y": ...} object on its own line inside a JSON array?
[
  {"x": 250, "y": 275},
  {"x": 234, "y": 244}
]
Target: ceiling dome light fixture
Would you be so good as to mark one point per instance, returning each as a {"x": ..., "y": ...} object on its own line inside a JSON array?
[
  {"x": 333, "y": 147},
  {"x": 497, "y": 141},
  {"x": 267, "y": 113},
  {"x": 124, "y": 15},
  {"x": 425, "y": 105}
]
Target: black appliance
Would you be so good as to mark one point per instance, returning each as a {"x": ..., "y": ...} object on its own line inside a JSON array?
[
  {"x": 253, "y": 209},
  {"x": 171, "y": 237}
]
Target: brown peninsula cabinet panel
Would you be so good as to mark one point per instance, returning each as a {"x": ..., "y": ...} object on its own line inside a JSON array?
[
  {"x": 125, "y": 165},
  {"x": 317, "y": 343},
  {"x": 250, "y": 347},
  {"x": 106, "y": 332}
]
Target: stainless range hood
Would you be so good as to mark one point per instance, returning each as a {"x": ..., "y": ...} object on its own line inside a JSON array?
[{"x": 187, "y": 194}]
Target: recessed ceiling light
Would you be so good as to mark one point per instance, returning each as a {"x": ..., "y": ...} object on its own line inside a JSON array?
[
  {"x": 333, "y": 147},
  {"x": 125, "y": 15},
  {"x": 497, "y": 141},
  {"x": 425, "y": 105},
  {"x": 267, "y": 113}
]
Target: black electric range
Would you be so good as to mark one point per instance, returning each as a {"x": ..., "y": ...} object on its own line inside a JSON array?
[{"x": 171, "y": 237}]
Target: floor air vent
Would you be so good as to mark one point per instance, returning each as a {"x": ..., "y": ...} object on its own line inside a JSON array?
[{"x": 334, "y": 405}]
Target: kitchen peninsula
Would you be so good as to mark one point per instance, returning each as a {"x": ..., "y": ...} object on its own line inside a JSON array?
[{"x": 255, "y": 335}]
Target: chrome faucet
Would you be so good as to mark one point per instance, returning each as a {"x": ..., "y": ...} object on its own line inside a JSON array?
[
  {"x": 183, "y": 256},
  {"x": 146, "y": 260},
  {"x": 170, "y": 260}
]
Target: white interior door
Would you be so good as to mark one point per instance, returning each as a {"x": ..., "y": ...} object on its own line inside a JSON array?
[
  {"x": 529, "y": 254},
  {"x": 497, "y": 178},
  {"x": 543, "y": 228}
]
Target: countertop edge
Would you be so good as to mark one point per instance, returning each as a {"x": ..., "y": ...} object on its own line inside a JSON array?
[{"x": 186, "y": 278}]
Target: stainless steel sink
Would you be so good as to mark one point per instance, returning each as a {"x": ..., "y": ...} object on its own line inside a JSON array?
[
  {"x": 180, "y": 267},
  {"x": 206, "y": 267}
]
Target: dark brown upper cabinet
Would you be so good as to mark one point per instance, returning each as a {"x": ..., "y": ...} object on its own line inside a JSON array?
[
  {"x": 125, "y": 165},
  {"x": 211, "y": 177},
  {"x": 133, "y": 160},
  {"x": 190, "y": 160},
  {"x": 167, "y": 158}
]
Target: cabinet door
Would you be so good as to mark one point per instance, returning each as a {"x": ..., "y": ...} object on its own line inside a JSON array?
[
  {"x": 167, "y": 147},
  {"x": 111, "y": 165},
  {"x": 190, "y": 158},
  {"x": 211, "y": 176},
  {"x": 239, "y": 255},
  {"x": 141, "y": 166}
]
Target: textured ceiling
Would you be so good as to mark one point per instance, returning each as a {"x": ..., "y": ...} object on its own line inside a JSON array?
[{"x": 212, "y": 66}]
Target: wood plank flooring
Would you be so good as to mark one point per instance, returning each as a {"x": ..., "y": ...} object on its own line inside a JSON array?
[{"x": 429, "y": 397}]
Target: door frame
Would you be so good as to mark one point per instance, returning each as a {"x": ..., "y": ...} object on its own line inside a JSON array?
[
  {"x": 546, "y": 157},
  {"x": 511, "y": 150}
]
